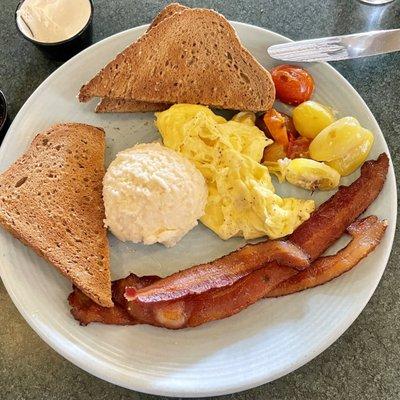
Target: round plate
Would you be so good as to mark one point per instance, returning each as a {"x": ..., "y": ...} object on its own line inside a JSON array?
[{"x": 263, "y": 342}]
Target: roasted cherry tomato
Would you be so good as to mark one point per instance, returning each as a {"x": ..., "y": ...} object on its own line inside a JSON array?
[
  {"x": 309, "y": 174},
  {"x": 276, "y": 125},
  {"x": 298, "y": 148},
  {"x": 291, "y": 129},
  {"x": 343, "y": 145},
  {"x": 310, "y": 118},
  {"x": 293, "y": 84}
]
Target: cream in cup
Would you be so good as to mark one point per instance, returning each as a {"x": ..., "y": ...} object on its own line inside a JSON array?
[{"x": 55, "y": 26}]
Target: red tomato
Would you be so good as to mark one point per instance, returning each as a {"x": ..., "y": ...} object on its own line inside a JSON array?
[
  {"x": 291, "y": 130},
  {"x": 298, "y": 148},
  {"x": 293, "y": 84}
]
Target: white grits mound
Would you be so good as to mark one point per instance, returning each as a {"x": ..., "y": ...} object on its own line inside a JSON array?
[{"x": 152, "y": 194}]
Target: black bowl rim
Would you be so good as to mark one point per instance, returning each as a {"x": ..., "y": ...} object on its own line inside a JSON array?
[
  {"x": 53, "y": 44},
  {"x": 5, "y": 115}
]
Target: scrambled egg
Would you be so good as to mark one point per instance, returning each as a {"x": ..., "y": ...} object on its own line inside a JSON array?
[{"x": 241, "y": 199}]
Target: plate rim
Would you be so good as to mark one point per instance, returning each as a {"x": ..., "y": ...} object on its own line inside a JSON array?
[{"x": 61, "y": 344}]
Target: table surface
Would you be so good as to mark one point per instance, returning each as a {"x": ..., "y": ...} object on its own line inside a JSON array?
[{"x": 364, "y": 362}]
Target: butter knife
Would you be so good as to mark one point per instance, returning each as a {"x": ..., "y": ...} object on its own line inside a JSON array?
[{"x": 338, "y": 47}]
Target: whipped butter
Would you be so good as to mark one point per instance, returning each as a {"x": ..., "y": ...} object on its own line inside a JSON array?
[{"x": 50, "y": 21}]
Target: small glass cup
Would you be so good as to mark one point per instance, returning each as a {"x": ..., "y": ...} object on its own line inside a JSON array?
[{"x": 65, "y": 49}]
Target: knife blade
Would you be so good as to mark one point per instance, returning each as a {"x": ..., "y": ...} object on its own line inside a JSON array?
[{"x": 337, "y": 48}]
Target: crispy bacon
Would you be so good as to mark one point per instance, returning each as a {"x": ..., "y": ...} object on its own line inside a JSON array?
[
  {"x": 222, "y": 272},
  {"x": 212, "y": 305},
  {"x": 193, "y": 310},
  {"x": 367, "y": 234},
  {"x": 188, "y": 312},
  {"x": 85, "y": 310},
  {"x": 329, "y": 222}
]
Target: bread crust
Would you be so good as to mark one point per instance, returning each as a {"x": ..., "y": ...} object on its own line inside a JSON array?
[
  {"x": 166, "y": 12},
  {"x": 107, "y": 105}
]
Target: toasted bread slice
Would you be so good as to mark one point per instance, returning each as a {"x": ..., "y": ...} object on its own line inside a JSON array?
[
  {"x": 51, "y": 200},
  {"x": 107, "y": 105},
  {"x": 195, "y": 57}
]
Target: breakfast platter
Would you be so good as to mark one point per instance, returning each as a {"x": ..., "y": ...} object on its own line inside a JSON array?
[{"x": 160, "y": 257}]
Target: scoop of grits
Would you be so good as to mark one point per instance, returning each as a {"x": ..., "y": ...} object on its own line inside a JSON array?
[{"x": 152, "y": 194}]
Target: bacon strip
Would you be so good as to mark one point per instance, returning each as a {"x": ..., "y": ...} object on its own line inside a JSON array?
[
  {"x": 367, "y": 234},
  {"x": 219, "y": 273},
  {"x": 194, "y": 310},
  {"x": 86, "y": 311},
  {"x": 224, "y": 302},
  {"x": 313, "y": 237},
  {"x": 177, "y": 314},
  {"x": 217, "y": 304}
]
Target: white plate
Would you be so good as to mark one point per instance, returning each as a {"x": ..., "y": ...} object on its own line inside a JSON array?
[{"x": 262, "y": 343}]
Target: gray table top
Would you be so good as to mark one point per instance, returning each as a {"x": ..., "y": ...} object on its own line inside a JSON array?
[{"x": 364, "y": 362}]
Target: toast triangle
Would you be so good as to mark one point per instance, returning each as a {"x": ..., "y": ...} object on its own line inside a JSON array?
[
  {"x": 51, "y": 200},
  {"x": 193, "y": 56}
]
